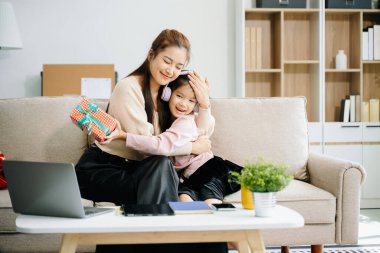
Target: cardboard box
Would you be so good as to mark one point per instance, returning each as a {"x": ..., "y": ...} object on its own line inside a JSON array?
[
  {"x": 65, "y": 79},
  {"x": 281, "y": 3},
  {"x": 88, "y": 117},
  {"x": 348, "y": 4}
]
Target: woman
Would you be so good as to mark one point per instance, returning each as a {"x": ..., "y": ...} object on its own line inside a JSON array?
[{"x": 117, "y": 174}]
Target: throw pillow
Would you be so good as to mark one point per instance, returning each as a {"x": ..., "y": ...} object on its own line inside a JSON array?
[{"x": 3, "y": 182}]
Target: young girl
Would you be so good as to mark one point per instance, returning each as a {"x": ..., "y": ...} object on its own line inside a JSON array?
[{"x": 203, "y": 176}]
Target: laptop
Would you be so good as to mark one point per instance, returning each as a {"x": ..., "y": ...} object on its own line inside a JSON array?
[{"x": 48, "y": 189}]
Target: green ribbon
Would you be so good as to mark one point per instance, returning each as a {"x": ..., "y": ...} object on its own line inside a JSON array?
[{"x": 88, "y": 119}]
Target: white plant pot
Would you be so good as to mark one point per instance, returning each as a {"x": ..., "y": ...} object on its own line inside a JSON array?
[{"x": 264, "y": 203}]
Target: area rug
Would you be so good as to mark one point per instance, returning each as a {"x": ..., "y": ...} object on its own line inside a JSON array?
[{"x": 332, "y": 249}]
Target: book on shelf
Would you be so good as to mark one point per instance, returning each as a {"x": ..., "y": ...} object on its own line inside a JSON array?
[
  {"x": 358, "y": 110},
  {"x": 376, "y": 42},
  {"x": 193, "y": 207},
  {"x": 352, "y": 108},
  {"x": 345, "y": 110},
  {"x": 370, "y": 43},
  {"x": 253, "y": 48},
  {"x": 365, "y": 51},
  {"x": 248, "y": 48},
  {"x": 259, "y": 47}
]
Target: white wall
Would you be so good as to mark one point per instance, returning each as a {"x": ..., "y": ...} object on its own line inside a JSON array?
[{"x": 118, "y": 32}]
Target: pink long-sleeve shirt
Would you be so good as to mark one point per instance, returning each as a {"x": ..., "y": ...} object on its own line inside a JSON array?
[{"x": 183, "y": 130}]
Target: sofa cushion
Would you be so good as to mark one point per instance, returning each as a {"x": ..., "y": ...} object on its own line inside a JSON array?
[
  {"x": 275, "y": 127},
  {"x": 38, "y": 137},
  {"x": 314, "y": 204}
]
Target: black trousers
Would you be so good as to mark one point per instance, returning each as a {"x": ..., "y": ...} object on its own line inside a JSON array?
[
  {"x": 211, "y": 180},
  {"x": 105, "y": 177}
]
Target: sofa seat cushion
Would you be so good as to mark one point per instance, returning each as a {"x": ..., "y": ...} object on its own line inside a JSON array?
[
  {"x": 314, "y": 204},
  {"x": 5, "y": 200}
]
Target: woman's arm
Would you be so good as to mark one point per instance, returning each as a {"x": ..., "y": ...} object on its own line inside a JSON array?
[{"x": 127, "y": 105}]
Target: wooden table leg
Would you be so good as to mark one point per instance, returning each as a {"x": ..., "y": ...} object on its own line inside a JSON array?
[
  {"x": 243, "y": 247},
  {"x": 255, "y": 241},
  {"x": 69, "y": 243}
]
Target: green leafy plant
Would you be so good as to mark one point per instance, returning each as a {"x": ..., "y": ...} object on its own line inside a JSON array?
[{"x": 263, "y": 176}]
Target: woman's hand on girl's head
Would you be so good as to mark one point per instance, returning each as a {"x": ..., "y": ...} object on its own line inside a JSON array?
[
  {"x": 201, "y": 89},
  {"x": 117, "y": 134},
  {"x": 201, "y": 145}
]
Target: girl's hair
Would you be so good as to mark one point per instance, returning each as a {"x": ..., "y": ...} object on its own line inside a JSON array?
[
  {"x": 167, "y": 38},
  {"x": 173, "y": 85}
]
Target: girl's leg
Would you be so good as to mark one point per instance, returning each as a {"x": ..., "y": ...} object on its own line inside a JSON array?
[
  {"x": 186, "y": 194},
  {"x": 185, "y": 198},
  {"x": 213, "y": 192}
]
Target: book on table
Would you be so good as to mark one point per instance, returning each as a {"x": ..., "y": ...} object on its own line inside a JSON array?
[{"x": 194, "y": 207}]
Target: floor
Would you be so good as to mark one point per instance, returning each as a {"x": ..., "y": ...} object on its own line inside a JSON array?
[
  {"x": 369, "y": 227},
  {"x": 369, "y": 235}
]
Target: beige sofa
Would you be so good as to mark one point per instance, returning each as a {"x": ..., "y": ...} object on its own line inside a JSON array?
[{"x": 39, "y": 129}]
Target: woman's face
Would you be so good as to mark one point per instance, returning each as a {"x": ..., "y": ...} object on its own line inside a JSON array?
[
  {"x": 182, "y": 101},
  {"x": 167, "y": 65}
]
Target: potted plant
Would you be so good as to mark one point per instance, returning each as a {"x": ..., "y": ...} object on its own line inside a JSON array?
[{"x": 264, "y": 179}]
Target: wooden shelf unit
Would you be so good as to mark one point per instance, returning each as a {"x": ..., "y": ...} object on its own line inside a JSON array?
[
  {"x": 290, "y": 67},
  {"x": 343, "y": 30}
]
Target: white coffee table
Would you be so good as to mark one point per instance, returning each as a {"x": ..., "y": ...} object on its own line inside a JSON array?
[{"x": 239, "y": 226}]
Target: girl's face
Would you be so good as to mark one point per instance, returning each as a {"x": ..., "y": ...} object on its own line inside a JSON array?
[
  {"x": 182, "y": 101},
  {"x": 167, "y": 65}
]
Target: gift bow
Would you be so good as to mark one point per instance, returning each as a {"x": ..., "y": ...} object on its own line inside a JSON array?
[{"x": 88, "y": 119}]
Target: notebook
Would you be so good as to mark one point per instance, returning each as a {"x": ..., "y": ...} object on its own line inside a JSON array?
[
  {"x": 146, "y": 209},
  {"x": 48, "y": 189},
  {"x": 193, "y": 207}
]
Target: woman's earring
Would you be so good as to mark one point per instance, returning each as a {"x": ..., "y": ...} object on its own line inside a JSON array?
[{"x": 166, "y": 93}]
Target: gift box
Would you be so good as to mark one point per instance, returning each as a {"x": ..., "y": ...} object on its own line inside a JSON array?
[
  {"x": 93, "y": 120},
  {"x": 3, "y": 182}
]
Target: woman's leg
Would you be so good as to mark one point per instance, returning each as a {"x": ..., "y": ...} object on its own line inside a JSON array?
[
  {"x": 104, "y": 177},
  {"x": 156, "y": 180}
]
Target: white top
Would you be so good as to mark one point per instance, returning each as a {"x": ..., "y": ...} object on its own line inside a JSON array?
[{"x": 239, "y": 219}]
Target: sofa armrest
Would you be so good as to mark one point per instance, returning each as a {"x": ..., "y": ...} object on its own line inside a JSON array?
[{"x": 343, "y": 179}]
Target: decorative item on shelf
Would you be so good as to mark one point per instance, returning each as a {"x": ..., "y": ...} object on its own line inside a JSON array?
[
  {"x": 374, "y": 110},
  {"x": 341, "y": 60},
  {"x": 3, "y": 182},
  {"x": 281, "y": 3},
  {"x": 365, "y": 111},
  {"x": 349, "y": 4},
  {"x": 375, "y": 4},
  {"x": 264, "y": 179}
]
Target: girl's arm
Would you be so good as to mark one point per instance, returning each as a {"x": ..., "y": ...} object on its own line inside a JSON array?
[
  {"x": 205, "y": 121},
  {"x": 182, "y": 131}
]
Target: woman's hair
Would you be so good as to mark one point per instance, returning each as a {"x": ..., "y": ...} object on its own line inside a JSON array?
[
  {"x": 181, "y": 80},
  {"x": 167, "y": 38}
]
